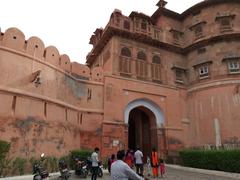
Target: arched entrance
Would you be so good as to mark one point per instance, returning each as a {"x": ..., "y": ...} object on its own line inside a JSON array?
[
  {"x": 144, "y": 119},
  {"x": 142, "y": 131}
]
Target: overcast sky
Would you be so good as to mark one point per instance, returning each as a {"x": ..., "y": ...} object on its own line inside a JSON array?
[{"x": 69, "y": 24}]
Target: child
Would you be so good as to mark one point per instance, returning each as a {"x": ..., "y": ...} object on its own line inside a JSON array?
[
  {"x": 149, "y": 165},
  {"x": 162, "y": 167}
]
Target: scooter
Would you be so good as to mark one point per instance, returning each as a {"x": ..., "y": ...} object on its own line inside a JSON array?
[
  {"x": 65, "y": 174},
  {"x": 80, "y": 168},
  {"x": 39, "y": 172}
]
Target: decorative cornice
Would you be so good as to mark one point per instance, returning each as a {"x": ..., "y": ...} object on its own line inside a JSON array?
[
  {"x": 112, "y": 31},
  {"x": 196, "y": 8},
  {"x": 197, "y": 24},
  {"x": 210, "y": 40},
  {"x": 140, "y": 15},
  {"x": 202, "y": 62}
]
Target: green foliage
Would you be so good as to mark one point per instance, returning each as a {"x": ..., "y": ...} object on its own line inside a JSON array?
[
  {"x": 222, "y": 160},
  {"x": 66, "y": 159},
  {"x": 81, "y": 154},
  {"x": 51, "y": 163},
  {"x": 4, "y": 162},
  {"x": 105, "y": 163},
  {"x": 33, "y": 161},
  {"x": 19, "y": 164}
]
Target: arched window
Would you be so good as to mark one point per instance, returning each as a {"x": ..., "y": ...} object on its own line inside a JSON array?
[
  {"x": 126, "y": 25},
  {"x": 126, "y": 52},
  {"x": 156, "y": 59},
  {"x": 156, "y": 68},
  {"x": 144, "y": 25},
  {"x": 141, "y": 55},
  {"x": 141, "y": 65},
  {"x": 125, "y": 61}
]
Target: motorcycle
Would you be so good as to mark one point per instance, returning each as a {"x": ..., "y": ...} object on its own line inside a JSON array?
[
  {"x": 89, "y": 167},
  {"x": 65, "y": 174},
  {"x": 39, "y": 172},
  {"x": 80, "y": 168}
]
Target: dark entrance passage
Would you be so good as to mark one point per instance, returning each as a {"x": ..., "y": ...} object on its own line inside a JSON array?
[{"x": 142, "y": 131}]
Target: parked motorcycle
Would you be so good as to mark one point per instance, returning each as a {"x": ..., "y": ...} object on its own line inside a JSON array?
[
  {"x": 65, "y": 174},
  {"x": 39, "y": 172},
  {"x": 89, "y": 167},
  {"x": 80, "y": 168}
]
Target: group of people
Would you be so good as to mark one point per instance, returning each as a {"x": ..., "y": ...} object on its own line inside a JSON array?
[{"x": 122, "y": 167}]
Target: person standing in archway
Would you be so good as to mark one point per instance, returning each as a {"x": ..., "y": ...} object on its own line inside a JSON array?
[
  {"x": 138, "y": 156},
  {"x": 154, "y": 162}
]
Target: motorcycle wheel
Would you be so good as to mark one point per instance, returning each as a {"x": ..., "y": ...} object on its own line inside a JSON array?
[
  {"x": 100, "y": 172},
  {"x": 85, "y": 173},
  {"x": 37, "y": 177}
]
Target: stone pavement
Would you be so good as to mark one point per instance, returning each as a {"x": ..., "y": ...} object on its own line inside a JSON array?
[{"x": 173, "y": 173}]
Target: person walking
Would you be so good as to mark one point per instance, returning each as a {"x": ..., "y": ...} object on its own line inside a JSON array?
[
  {"x": 121, "y": 171},
  {"x": 148, "y": 165},
  {"x": 95, "y": 163},
  {"x": 129, "y": 159},
  {"x": 110, "y": 161},
  {"x": 138, "y": 156},
  {"x": 154, "y": 163}
]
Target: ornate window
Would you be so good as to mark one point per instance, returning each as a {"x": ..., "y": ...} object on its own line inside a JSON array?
[
  {"x": 156, "y": 68},
  {"x": 126, "y": 52},
  {"x": 180, "y": 73},
  {"x": 176, "y": 36},
  {"x": 202, "y": 69},
  {"x": 157, "y": 34},
  {"x": 144, "y": 25},
  {"x": 141, "y": 65},
  {"x": 126, "y": 25},
  {"x": 141, "y": 55},
  {"x": 225, "y": 22},
  {"x": 233, "y": 64},
  {"x": 198, "y": 29},
  {"x": 125, "y": 61},
  {"x": 156, "y": 59}
]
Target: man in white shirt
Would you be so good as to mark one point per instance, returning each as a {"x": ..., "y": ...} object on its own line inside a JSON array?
[
  {"x": 95, "y": 161},
  {"x": 138, "y": 156},
  {"x": 121, "y": 171}
]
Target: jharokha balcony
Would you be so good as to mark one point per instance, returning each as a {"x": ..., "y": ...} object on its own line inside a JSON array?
[{"x": 139, "y": 69}]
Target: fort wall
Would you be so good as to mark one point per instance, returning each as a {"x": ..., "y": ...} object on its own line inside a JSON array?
[{"x": 46, "y": 100}]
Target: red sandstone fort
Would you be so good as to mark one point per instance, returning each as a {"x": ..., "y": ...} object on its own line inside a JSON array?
[{"x": 167, "y": 80}]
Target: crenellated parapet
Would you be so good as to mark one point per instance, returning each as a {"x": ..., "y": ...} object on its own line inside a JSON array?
[{"x": 14, "y": 39}]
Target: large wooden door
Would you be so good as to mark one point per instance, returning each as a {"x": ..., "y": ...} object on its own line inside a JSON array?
[{"x": 139, "y": 132}]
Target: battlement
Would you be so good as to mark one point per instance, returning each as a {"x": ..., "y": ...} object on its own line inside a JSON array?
[{"x": 13, "y": 39}]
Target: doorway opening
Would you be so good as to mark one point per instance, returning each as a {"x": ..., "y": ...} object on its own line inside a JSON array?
[{"x": 142, "y": 130}]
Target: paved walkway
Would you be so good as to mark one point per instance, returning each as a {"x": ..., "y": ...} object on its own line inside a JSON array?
[{"x": 173, "y": 173}]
